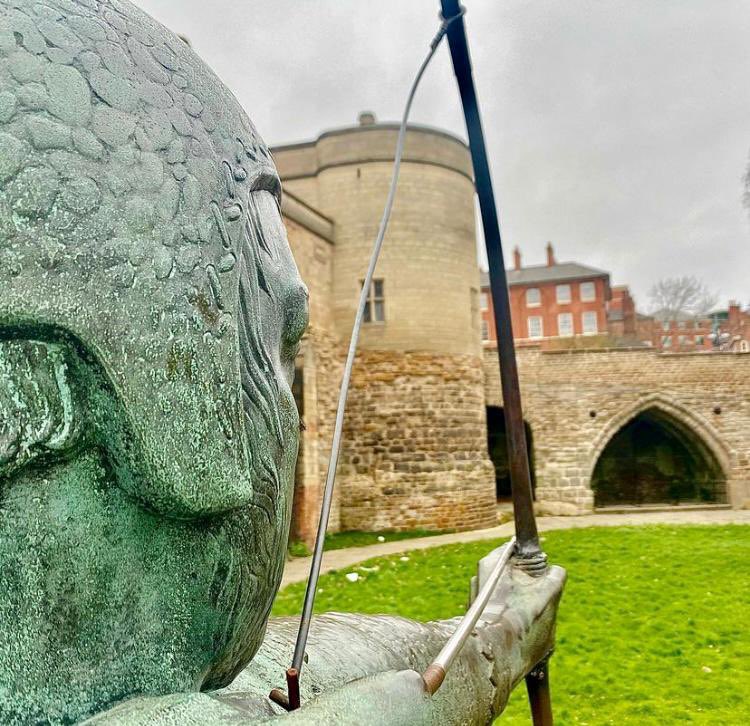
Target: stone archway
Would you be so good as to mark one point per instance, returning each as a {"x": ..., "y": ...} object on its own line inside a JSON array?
[
  {"x": 658, "y": 452},
  {"x": 498, "y": 450}
]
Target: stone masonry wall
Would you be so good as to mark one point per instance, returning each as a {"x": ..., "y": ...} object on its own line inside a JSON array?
[
  {"x": 321, "y": 363},
  {"x": 415, "y": 451},
  {"x": 575, "y": 401}
]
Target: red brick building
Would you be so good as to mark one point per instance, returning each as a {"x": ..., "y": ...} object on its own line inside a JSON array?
[
  {"x": 723, "y": 330},
  {"x": 622, "y": 319},
  {"x": 556, "y": 300}
]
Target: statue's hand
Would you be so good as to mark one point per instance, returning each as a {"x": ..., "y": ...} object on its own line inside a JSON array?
[{"x": 485, "y": 568}]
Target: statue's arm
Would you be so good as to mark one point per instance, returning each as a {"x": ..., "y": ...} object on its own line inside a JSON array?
[{"x": 365, "y": 669}]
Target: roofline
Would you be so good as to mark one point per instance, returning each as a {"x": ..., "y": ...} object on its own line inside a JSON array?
[
  {"x": 302, "y": 202},
  {"x": 298, "y": 211},
  {"x": 590, "y": 276},
  {"x": 386, "y": 126},
  {"x": 544, "y": 266},
  {"x": 377, "y": 160},
  {"x": 593, "y": 275}
]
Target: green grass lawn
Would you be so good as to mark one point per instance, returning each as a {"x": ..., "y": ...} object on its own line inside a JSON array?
[{"x": 654, "y": 625}]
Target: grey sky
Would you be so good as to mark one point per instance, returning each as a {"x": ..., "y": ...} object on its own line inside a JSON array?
[{"x": 617, "y": 129}]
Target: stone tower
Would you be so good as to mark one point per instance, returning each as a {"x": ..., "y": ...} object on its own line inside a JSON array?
[{"x": 415, "y": 451}]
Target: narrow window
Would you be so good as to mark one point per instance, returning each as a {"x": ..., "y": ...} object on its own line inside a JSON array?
[
  {"x": 563, "y": 293},
  {"x": 665, "y": 326},
  {"x": 533, "y": 298},
  {"x": 565, "y": 324},
  {"x": 699, "y": 340},
  {"x": 375, "y": 305},
  {"x": 590, "y": 325},
  {"x": 666, "y": 341},
  {"x": 535, "y": 326},
  {"x": 588, "y": 292},
  {"x": 484, "y": 301},
  {"x": 485, "y": 330}
]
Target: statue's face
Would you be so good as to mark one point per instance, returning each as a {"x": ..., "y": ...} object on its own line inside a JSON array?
[
  {"x": 150, "y": 313},
  {"x": 139, "y": 221}
]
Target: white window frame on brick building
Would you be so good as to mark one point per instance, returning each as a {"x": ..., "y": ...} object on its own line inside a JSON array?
[
  {"x": 535, "y": 329},
  {"x": 375, "y": 302},
  {"x": 665, "y": 326},
  {"x": 484, "y": 301},
  {"x": 562, "y": 294},
  {"x": 565, "y": 325},
  {"x": 533, "y": 297},
  {"x": 590, "y": 322},
  {"x": 666, "y": 341},
  {"x": 588, "y": 292}
]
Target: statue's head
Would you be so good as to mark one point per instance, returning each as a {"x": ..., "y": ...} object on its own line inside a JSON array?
[{"x": 150, "y": 313}]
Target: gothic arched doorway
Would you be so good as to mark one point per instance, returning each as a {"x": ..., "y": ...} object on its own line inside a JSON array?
[
  {"x": 657, "y": 459},
  {"x": 498, "y": 450}
]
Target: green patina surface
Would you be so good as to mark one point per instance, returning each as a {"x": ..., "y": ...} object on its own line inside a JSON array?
[{"x": 149, "y": 317}]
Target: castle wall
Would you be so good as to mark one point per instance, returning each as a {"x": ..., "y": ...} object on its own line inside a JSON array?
[
  {"x": 416, "y": 445},
  {"x": 415, "y": 450},
  {"x": 313, "y": 254},
  {"x": 319, "y": 365},
  {"x": 319, "y": 370},
  {"x": 415, "y": 440},
  {"x": 428, "y": 262},
  {"x": 575, "y": 401}
]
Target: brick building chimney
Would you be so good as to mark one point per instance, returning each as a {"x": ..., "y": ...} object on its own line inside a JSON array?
[
  {"x": 550, "y": 255},
  {"x": 733, "y": 314},
  {"x": 516, "y": 258}
]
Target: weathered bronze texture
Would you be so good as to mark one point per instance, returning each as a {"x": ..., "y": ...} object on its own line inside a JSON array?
[{"x": 150, "y": 311}]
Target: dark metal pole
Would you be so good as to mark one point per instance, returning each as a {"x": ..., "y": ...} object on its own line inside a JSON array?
[
  {"x": 537, "y": 685},
  {"x": 518, "y": 458}
]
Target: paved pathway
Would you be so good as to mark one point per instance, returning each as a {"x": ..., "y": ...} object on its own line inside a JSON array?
[{"x": 297, "y": 570}]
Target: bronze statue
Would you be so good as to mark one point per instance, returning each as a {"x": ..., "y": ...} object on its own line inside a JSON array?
[{"x": 150, "y": 316}]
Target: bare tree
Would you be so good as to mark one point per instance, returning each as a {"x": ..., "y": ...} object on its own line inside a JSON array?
[{"x": 675, "y": 297}]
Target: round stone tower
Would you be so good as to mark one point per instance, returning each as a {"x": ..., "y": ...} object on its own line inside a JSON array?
[{"x": 415, "y": 451}]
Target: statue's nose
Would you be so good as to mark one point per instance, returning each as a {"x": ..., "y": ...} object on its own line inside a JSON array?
[{"x": 297, "y": 312}]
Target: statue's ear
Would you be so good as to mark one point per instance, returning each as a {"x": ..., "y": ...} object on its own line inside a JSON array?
[{"x": 38, "y": 412}]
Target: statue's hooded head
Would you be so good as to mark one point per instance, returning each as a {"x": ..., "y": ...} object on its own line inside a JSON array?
[{"x": 149, "y": 319}]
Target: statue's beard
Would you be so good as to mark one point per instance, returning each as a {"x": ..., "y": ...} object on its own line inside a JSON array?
[
  {"x": 245, "y": 591},
  {"x": 243, "y": 588}
]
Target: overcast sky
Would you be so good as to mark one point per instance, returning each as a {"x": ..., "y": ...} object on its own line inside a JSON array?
[{"x": 619, "y": 130}]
